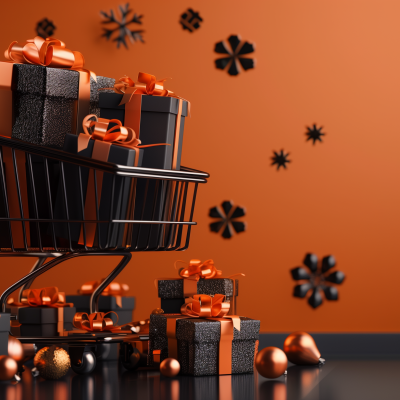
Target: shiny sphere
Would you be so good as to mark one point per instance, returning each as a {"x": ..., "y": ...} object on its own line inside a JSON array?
[
  {"x": 52, "y": 362},
  {"x": 170, "y": 367},
  {"x": 301, "y": 349},
  {"x": 271, "y": 362},
  {"x": 158, "y": 311},
  {"x": 15, "y": 349},
  {"x": 8, "y": 368}
]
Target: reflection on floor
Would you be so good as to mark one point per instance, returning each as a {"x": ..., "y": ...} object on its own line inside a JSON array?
[{"x": 336, "y": 380}]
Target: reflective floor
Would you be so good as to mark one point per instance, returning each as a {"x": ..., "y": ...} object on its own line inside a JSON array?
[{"x": 336, "y": 380}]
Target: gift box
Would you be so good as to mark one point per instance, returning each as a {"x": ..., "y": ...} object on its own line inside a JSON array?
[
  {"x": 114, "y": 189},
  {"x": 198, "y": 344},
  {"x": 42, "y": 321},
  {"x": 4, "y": 332},
  {"x": 155, "y": 119},
  {"x": 106, "y": 304}
]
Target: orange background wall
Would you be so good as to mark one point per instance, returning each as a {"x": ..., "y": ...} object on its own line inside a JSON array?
[{"x": 332, "y": 63}]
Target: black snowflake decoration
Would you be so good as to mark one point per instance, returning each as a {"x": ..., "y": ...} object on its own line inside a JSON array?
[
  {"x": 190, "y": 20},
  {"x": 280, "y": 159},
  {"x": 45, "y": 28},
  {"x": 226, "y": 222},
  {"x": 235, "y": 52},
  {"x": 314, "y": 133},
  {"x": 122, "y": 26},
  {"x": 317, "y": 279}
]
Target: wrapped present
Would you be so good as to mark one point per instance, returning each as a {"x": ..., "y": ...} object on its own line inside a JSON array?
[
  {"x": 113, "y": 298},
  {"x": 4, "y": 332},
  {"x": 204, "y": 339},
  {"x": 103, "y": 140},
  {"x": 196, "y": 278},
  {"x": 157, "y": 115},
  {"x": 41, "y": 312}
]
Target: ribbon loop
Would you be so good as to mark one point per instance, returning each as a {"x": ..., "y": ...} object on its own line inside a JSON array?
[
  {"x": 205, "y": 306},
  {"x": 48, "y": 296},
  {"x": 197, "y": 270},
  {"x": 96, "y": 322}
]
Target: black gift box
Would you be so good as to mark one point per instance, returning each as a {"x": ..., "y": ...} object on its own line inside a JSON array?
[
  {"x": 198, "y": 344},
  {"x": 157, "y": 125},
  {"x": 101, "y": 84},
  {"x": 4, "y": 332},
  {"x": 106, "y": 304},
  {"x": 112, "y": 234},
  {"x": 171, "y": 293},
  {"x": 41, "y": 321},
  {"x": 45, "y": 103}
]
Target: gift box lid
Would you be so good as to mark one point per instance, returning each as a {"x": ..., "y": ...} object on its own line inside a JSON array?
[
  {"x": 173, "y": 288},
  {"x": 41, "y": 315},
  {"x": 149, "y": 103},
  {"x": 106, "y": 303},
  {"x": 45, "y": 81}
]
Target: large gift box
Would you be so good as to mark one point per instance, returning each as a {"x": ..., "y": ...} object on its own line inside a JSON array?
[
  {"x": 42, "y": 312},
  {"x": 156, "y": 115},
  {"x": 114, "y": 190},
  {"x": 4, "y": 332},
  {"x": 113, "y": 299},
  {"x": 202, "y": 345},
  {"x": 197, "y": 278}
]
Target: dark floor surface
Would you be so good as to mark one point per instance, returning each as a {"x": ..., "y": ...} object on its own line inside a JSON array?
[{"x": 344, "y": 379}]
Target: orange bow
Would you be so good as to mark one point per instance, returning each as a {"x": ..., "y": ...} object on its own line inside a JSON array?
[
  {"x": 48, "y": 296},
  {"x": 197, "y": 270},
  {"x": 48, "y": 52},
  {"x": 113, "y": 289},
  {"x": 96, "y": 322},
  {"x": 120, "y": 135},
  {"x": 204, "y": 306}
]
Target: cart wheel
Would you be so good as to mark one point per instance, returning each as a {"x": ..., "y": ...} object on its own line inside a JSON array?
[
  {"x": 86, "y": 365},
  {"x": 135, "y": 360}
]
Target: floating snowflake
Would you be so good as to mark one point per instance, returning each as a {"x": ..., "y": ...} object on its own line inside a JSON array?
[
  {"x": 122, "y": 26},
  {"x": 280, "y": 159},
  {"x": 227, "y": 223},
  {"x": 45, "y": 28},
  {"x": 318, "y": 279},
  {"x": 235, "y": 52},
  {"x": 314, "y": 133},
  {"x": 190, "y": 20}
]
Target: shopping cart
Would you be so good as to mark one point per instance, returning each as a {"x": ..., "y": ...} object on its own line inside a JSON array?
[{"x": 44, "y": 218}]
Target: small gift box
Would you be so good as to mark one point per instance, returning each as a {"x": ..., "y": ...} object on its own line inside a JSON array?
[
  {"x": 101, "y": 141},
  {"x": 4, "y": 332},
  {"x": 113, "y": 299},
  {"x": 215, "y": 344},
  {"x": 156, "y": 115},
  {"x": 196, "y": 278},
  {"x": 42, "y": 312}
]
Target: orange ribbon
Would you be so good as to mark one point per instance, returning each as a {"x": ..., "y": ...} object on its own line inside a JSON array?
[
  {"x": 209, "y": 308},
  {"x": 96, "y": 322},
  {"x": 197, "y": 270},
  {"x": 113, "y": 289}
]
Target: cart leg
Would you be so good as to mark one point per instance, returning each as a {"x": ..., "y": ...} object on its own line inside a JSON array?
[{"x": 40, "y": 261}]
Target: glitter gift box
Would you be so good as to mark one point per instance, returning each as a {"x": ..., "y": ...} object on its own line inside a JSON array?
[
  {"x": 41, "y": 321},
  {"x": 198, "y": 344},
  {"x": 171, "y": 292}
]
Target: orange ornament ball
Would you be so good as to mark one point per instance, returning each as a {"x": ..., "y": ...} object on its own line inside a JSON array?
[
  {"x": 271, "y": 362},
  {"x": 301, "y": 349},
  {"x": 170, "y": 367},
  {"x": 15, "y": 349},
  {"x": 8, "y": 368}
]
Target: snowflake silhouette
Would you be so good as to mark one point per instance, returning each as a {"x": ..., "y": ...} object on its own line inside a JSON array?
[
  {"x": 122, "y": 26},
  {"x": 318, "y": 279},
  {"x": 227, "y": 223},
  {"x": 45, "y": 28},
  {"x": 314, "y": 133},
  {"x": 280, "y": 159},
  {"x": 190, "y": 20},
  {"x": 235, "y": 53}
]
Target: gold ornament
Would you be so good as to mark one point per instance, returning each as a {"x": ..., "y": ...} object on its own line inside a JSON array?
[
  {"x": 52, "y": 362},
  {"x": 158, "y": 311},
  {"x": 170, "y": 367},
  {"x": 8, "y": 368},
  {"x": 301, "y": 349},
  {"x": 271, "y": 362},
  {"x": 15, "y": 348}
]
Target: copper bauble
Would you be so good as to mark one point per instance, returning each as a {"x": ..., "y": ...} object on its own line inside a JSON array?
[
  {"x": 158, "y": 311},
  {"x": 170, "y": 367},
  {"x": 271, "y": 362},
  {"x": 8, "y": 368},
  {"x": 52, "y": 362},
  {"x": 15, "y": 349},
  {"x": 301, "y": 349}
]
